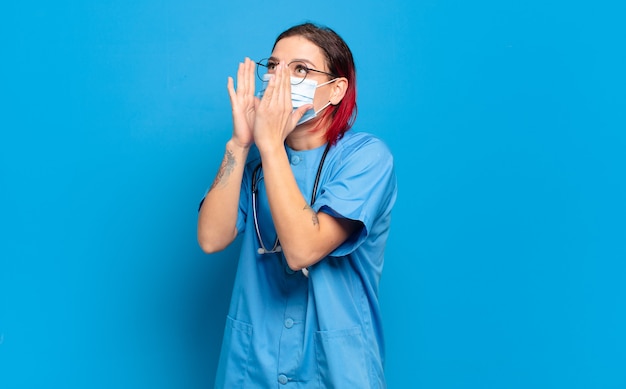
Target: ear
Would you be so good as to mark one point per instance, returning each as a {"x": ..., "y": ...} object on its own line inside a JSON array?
[{"x": 338, "y": 91}]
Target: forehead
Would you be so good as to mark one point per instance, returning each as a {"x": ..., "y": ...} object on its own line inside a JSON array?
[{"x": 298, "y": 47}]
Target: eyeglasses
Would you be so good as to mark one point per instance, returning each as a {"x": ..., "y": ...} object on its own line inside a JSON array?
[{"x": 298, "y": 69}]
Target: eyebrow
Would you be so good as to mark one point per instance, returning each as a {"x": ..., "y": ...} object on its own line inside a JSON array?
[{"x": 296, "y": 60}]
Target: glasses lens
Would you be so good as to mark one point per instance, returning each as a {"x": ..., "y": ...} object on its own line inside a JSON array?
[
  {"x": 298, "y": 71},
  {"x": 264, "y": 67}
]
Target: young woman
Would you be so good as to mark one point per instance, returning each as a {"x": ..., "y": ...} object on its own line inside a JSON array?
[{"x": 313, "y": 203}]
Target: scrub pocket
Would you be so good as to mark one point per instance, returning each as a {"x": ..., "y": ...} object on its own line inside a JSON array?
[
  {"x": 341, "y": 359},
  {"x": 233, "y": 365}
]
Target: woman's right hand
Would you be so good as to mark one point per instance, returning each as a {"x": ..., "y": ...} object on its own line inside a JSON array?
[{"x": 242, "y": 101}]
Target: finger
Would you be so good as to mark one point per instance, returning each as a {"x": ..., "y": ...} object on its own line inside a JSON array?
[
  {"x": 286, "y": 88},
  {"x": 298, "y": 113},
  {"x": 280, "y": 85},
  {"x": 278, "y": 77},
  {"x": 285, "y": 97},
  {"x": 270, "y": 89},
  {"x": 230, "y": 86},
  {"x": 245, "y": 79},
  {"x": 250, "y": 76},
  {"x": 240, "y": 77}
]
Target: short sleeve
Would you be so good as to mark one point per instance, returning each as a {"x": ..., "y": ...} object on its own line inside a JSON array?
[
  {"x": 361, "y": 187},
  {"x": 245, "y": 192}
]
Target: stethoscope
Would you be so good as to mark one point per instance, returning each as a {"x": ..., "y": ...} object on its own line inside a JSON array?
[{"x": 255, "y": 181}]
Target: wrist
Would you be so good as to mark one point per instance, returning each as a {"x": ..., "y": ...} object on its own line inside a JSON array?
[
  {"x": 270, "y": 148},
  {"x": 234, "y": 145},
  {"x": 272, "y": 152}
]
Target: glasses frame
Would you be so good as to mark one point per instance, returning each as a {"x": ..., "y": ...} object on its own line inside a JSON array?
[{"x": 306, "y": 68}]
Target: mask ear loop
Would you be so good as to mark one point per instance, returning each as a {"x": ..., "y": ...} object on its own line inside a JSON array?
[
  {"x": 321, "y": 109},
  {"x": 329, "y": 102},
  {"x": 326, "y": 83}
]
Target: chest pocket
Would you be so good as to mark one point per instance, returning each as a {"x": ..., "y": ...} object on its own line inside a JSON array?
[
  {"x": 234, "y": 356},
  {"x": 341, "y": 359}
]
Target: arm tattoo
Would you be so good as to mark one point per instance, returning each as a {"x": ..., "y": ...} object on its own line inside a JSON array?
[
  {"x": 314, "y": 218},
  {"x": 226, "y": 168}
]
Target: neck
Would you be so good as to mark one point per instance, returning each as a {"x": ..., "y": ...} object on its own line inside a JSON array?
[{"x": 306, "y": 138}]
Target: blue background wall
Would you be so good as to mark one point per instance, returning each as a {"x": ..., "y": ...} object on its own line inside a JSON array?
[{"x": 505, "y": 268}]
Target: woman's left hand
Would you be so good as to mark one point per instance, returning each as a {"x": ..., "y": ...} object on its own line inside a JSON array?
[{"x": 275, "y": 118}]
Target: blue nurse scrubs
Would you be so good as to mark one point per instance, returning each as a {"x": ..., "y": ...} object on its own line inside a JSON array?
[{"x": 285, "y": 329}]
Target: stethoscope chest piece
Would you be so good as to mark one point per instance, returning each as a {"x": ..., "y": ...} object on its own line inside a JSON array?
[{"x": 263, "y": 250}]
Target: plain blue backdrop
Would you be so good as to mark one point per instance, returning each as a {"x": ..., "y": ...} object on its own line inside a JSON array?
[{"x": 506, "y": 263}]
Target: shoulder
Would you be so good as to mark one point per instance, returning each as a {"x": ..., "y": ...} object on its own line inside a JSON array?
[{"x": 363, "y": 145}]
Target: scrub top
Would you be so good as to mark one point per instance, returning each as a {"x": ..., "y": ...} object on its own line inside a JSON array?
[{"x": 288, "y": 330}]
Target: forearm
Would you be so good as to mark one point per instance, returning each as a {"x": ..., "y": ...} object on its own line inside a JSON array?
[
  {"x": 305, "y": 236},
  {"x": 217, "y": 218}
]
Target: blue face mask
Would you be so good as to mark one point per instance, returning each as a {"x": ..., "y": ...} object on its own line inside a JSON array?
[{"x": 301, "y": 94}]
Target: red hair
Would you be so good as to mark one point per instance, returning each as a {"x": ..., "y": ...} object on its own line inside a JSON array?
[{"x": 340, "y": 63}]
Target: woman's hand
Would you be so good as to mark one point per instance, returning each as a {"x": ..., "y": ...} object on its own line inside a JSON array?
[
  {"x": 275, "y": 118},
  {"x": 243, "y": 103}
]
